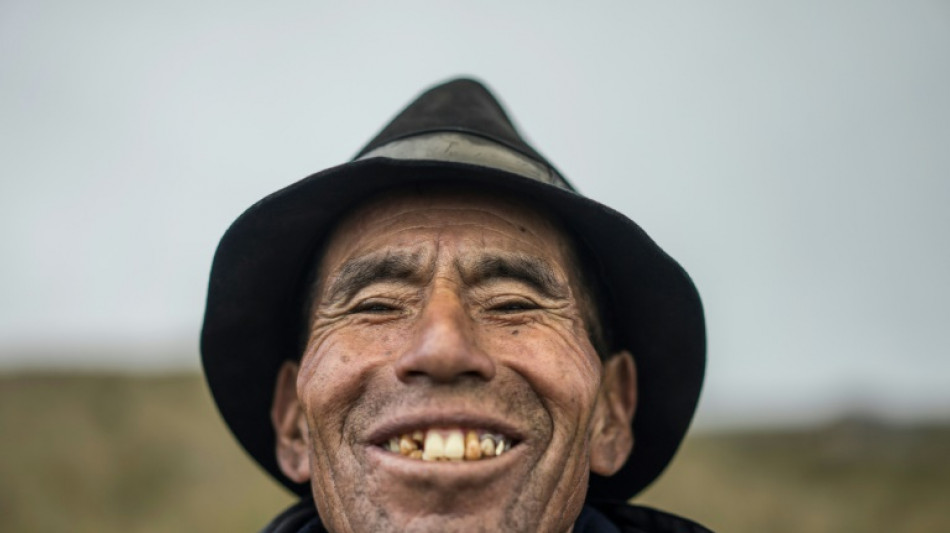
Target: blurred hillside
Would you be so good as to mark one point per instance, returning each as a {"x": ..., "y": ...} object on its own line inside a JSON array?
[{"x": 104, "y": 453}]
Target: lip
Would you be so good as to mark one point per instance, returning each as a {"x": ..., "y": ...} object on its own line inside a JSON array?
[
  {"x": 409, "y": 422},
  {"x": 449, "y": 475}
]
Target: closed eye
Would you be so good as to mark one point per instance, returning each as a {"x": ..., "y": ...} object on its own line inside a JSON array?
[
  {"x": 514, "y": 306},
  {"x": 374, "y": 307}
]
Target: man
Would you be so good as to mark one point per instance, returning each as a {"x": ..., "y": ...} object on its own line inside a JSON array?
[{"x": 441, "y": 335}]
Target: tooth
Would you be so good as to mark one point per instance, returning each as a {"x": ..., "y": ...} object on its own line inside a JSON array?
[
  {"x": 501, "y": 446},
  {"x": 473, "y": 451},
  {"x": 394, "y": 445},
  {"x": 407, "y": 445},
  {"x": 455, "y": 445},
  {"x": 415, "y": 454},
  {"x": 419, "y": 436},
  {"x": 434, "y": 447},
  {"x": 488, "y": 446}
]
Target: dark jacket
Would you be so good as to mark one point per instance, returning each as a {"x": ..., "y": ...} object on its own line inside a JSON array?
[{"x": 604, "y": 518}]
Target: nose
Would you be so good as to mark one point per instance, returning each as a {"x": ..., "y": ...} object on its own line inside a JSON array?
[{"x": 443, "y": 348}]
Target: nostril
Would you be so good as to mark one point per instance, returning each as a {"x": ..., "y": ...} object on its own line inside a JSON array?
[
  {"x": 442, "y": 368},
  {"x": 411, "y": 375}
]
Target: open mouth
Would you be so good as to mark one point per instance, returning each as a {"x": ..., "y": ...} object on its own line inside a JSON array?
[{"x": 449, "y": 444}]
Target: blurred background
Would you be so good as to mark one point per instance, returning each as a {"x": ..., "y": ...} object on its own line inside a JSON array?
[{"x": 794, "y": 157}]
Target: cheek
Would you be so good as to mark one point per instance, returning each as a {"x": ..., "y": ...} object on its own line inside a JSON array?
[
  {"x": 560, "y": 366},
  {"x": 335, "y": 370}
]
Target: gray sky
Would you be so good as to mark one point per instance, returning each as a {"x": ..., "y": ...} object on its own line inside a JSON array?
[{"x": 794, "y": 157}]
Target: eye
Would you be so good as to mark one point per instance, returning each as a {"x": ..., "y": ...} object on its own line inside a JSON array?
[
  {"x": 374, "y": 307},
  {"x": 513, "y": 306}
]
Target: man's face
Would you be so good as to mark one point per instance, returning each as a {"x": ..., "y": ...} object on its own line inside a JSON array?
[{"x": 447, "y": 314}]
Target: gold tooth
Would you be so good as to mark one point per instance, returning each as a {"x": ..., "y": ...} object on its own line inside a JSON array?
[
  {"x": 473, "y": 450},
  {"x": 407, "y": 445},
  {"x": 415, "y": 454},
  {"x": 487, "y": 446}
]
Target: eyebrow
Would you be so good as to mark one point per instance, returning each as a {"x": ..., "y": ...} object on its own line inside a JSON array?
[
  {"x": 524, "y": 268},
  {"x": 363, "y": 271}
]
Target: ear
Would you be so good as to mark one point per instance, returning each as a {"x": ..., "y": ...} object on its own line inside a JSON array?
[
  {"x": 290, "y": 426},
  {"x": 612, "y": 440}
]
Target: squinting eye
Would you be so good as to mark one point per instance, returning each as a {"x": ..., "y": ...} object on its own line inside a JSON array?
[
  {"x": 514, "y": 306},
  {"x": 373, "y": 307}
]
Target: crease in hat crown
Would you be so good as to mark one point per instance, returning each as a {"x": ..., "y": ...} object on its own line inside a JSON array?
[
  {"x": 460, "y": 121},
  {"x": 453, "y": 147}
]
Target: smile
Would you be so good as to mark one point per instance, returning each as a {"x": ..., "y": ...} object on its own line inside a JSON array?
[{"x": 449, "y": 444}]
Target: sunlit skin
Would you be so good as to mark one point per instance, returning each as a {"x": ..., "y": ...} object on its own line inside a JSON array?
[{"x": 414, "y": 324}]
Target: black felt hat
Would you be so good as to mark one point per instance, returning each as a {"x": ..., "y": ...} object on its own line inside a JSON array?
[{"x": 458, "y": 133}]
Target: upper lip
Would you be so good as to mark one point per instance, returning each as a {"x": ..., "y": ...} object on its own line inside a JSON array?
[{"x": 403, "y": 423}]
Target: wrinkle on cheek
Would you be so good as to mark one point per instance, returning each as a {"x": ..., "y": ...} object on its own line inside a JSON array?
[
  {"x": 562, "y": 374},
  {"x": 335, "y": 374},
  {"x": 565, "y": 334},
  {"x": 320, "y": 328},
  {"x": 318, "y": 366}
]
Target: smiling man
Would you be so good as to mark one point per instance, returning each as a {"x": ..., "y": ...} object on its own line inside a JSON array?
[{"x": 441, "y": 335}]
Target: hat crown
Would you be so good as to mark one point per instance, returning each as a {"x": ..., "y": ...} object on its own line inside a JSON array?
[{"x": 462, "y": 105}]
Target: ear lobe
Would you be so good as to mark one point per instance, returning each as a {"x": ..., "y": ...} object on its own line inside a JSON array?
[
  {"x": 290, "y": 426},
  {"x": 612, "y": 440}
]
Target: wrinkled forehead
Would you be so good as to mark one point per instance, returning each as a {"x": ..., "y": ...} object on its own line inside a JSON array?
[{"x": 396, "y": 218}]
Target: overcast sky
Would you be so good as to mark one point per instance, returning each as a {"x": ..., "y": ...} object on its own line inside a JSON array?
[{"x": 795, "y": 158}]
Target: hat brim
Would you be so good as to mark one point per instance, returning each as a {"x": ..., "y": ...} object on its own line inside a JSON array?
[{"x": 254, "y": 303}]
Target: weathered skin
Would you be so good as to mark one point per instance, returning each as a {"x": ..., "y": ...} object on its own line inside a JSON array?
[{"x": 440, "y": 340}]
